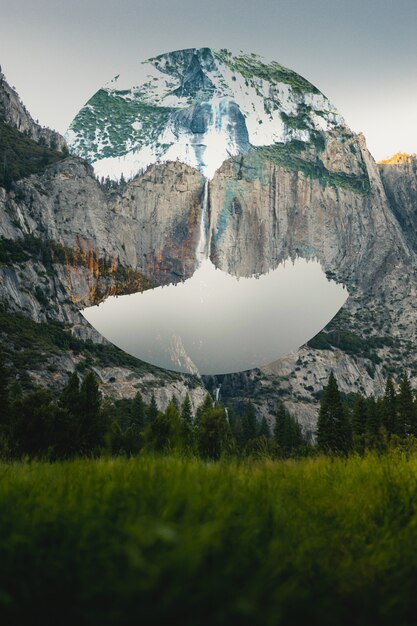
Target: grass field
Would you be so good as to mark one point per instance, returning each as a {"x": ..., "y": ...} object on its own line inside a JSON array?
[{"x": 166, "y": 540}]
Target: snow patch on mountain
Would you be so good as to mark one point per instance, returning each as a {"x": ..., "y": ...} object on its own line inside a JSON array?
[{"x": 198, "y": 107}]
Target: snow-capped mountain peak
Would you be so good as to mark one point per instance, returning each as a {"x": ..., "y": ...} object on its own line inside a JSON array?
[{"x": 197, "y": 106}]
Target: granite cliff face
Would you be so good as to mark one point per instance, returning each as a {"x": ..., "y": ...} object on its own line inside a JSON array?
[
  {"x": 399, "y": 176},
  {"x": 59, "y": 253},
  {"x": 262, "y": 213},
  {"x": 67, "y": 241},
  {"x": 15, "y": 114}
]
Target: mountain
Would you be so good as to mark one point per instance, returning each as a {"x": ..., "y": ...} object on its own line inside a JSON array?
[
  {"x": 14, "y": 114},
  {"x": 69, "y": 240},
  {"x": 57, "y": 256},
  {"x": 200, "y": 107},
  {"x": 203, "y": 107}
]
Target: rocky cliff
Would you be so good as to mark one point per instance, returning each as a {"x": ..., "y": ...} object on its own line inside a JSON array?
[
  {"x": 58, "y": 254},
  {"x": 262, "y": 213},
  {"x": 399, "y": 176},
  {"x": 15, "y": 114},
  {"x": 199, "y": 106},
  {"x": 67, "y": 241}
]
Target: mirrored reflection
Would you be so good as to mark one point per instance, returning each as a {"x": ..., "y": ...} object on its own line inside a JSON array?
[{"x": 215, "y": 323}]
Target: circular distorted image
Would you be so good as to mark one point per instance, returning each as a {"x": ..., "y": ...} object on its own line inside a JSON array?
[{"x": 227, "y": 172}]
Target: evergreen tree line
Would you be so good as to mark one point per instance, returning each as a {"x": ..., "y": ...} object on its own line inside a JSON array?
[
  {"x": 366, "y": 423},
  {"x": 78, "y": 422}
]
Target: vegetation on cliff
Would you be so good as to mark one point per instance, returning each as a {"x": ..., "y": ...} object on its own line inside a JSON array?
[
  {"x": 346, "y": 424},
  {"x": 20, "y": 156},
  {"x": 296, "y": 156},
  {"x": 252, "y": 66},
  {"x": 399, "y": 158},
  {"x": 124, "y": 129}
]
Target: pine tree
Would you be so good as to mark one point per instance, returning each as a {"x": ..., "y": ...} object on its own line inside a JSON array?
[
  {"x": 235, "y": 423},
  {"x": 186, "y": 410},
  {"x": 138, "y": 414},
  {"x": 264, "y": 429},
  {"x": 214, "y": 436},
  {"x": 296, "y": 439},
  {"x": 333, "y": 428},
  {"x": 249, "y": 424},
  {"x": 389, "y": 409},
  {"x": 31, "y": 425},
  {"x": 92, "y": 428},
  {"x": 287, "y": 433},
  {"x": 203, "y": 408},
  {"x": 164, "y": 433},
  {"x": 152, "y": 410},
  {"x": 187, "y": 425},
  {"x": 4, "y": 402},
  {"x": 70, "y": 397},
  {"x": 62, "y": 433},
  {"x": 174, "y": 399},
  {"x": 130, "y": 438},
  {"x": 373, "y": 422},
  {"x": 358, "y": 422},
  {"x": 406, "y": 407},
  {"x": 280, "y": 429},
  {"x": 359, "y": 416},
  {"x": 90, "y": 397},
  {"x": 69, "y": 425}
]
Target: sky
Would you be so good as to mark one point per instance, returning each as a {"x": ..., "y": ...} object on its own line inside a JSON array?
[
  {"x": 293, "y": 303},
  {"x": 362, "y": 54}
]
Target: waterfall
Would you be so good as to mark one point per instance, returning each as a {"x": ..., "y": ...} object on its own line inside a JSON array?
[
  {"x": 217, "y": 109},
  {"x": 217, "y": 394},
  {"x": 201, "y": 251}
]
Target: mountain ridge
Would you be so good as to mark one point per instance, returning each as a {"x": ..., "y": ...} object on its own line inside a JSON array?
[{"x": 15, "y": 114}]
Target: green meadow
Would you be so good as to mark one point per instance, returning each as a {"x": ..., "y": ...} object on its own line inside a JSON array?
[{"x": 161, "y": 540}]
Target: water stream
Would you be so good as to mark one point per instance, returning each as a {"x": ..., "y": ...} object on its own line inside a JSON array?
[{"x": 201, "y": 251}]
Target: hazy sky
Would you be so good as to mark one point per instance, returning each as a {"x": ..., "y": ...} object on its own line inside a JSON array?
[
  {"x": 361, "y": 53},
  {"x": 213, "y": 326}
]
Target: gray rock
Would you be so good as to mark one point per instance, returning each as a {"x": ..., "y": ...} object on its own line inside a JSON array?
[{"x": 16, "y": 115}]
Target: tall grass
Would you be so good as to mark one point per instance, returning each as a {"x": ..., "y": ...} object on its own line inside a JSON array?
[{"x": 168, "y": 540}]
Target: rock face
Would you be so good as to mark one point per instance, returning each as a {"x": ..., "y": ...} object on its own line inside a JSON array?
[
  {"x": 151, "y": 224},
  {"x": 400, "y": 184},
  {"x": 15, "y": 115},
  {"x": 262, "y": 213},
  {"x": 67, "y": 241}
]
